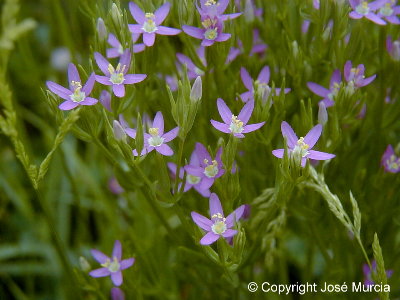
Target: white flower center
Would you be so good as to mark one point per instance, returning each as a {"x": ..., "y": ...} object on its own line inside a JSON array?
[
  {"x": 350, "y": 89},
  {"x": 116, "y": 75},
  {"x": 363, "y": 8},
  {"x": 155, "y": 140},
  {"x": 112, "y": 266},
  {"x": 386, "y": 10},
  {"x": 236, "y": 125},
  {"x": 149, "y": 26},
  {"x": 210, "y": 2},
  {"x": 211, "y": 34},
  {"x": 393, "y": 163},
  {"x": 191, "y": 179},
  {"x": 77, "y": 96},
  {"x": 263, "y": 90},
  {"x": 199, "y": 71},
  {"x": 301, "y": 148},
  {"x": 219, "y": 226},
  {"x": 334, "y": 91},
  {"x": 211, "y": 170}
]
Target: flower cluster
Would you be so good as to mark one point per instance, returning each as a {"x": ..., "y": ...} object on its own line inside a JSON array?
[
  {"x": 212, "y": 21},
  {"x": 376, "y": 11}
]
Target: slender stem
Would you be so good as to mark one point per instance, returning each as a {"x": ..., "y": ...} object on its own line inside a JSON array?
[{"x": 178, "y": 165}]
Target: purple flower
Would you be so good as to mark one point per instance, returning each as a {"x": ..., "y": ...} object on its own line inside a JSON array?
[
  {"x": 218, "y": 225},
  {"x": 157, "y": 139},
  {"x": 118, "y": 50},
  {"x": 259, "y": 46},
  {"x": 76, "y": 94},
  {"x": 210, "y": 33},
  {"x": 328, "y": 95},
  {"x": 262, "y": 87},
  {"x": 111, "y": 266},
  {"x": 234, "y": 52},
  {"x": 149, "y": 23},
  {"x": 362, "y": 8},
  {"x": 205, "y": 168},
  {"x": 105, "y": 99},
  {"x": 389, "y": 11},
  {"x": 355, "y": 76},
  {"x": 236, "y": 125},
  {"x": 114, "y": 186},
  {"x": 316, "y": 4},
  {"x": 191, "y": 180},
  {"x": 393, "y": 48},
  {"x": 390, "y": 162},
  {"x": 117, "y": 294},
  {"x": 215, "y": 8},
  {"x": 117, "y": 77},
  {"x": 301, "y": 148},
  {"x": 368, "y": 273},
  {"x": 192, "y": 69}
]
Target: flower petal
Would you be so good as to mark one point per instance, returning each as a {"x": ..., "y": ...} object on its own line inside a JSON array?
[
  {"x": 99, "y": 256},
  {"x": 313, "y": 135},
  {"x": 235, "y": 216},
  {"x": 201, "y": 221},
  {"x": 103, "y": 80},
  {"x": 222, "y": 37},
  {"x": 89, "y": 101},
  {"x": 135, "y": 28},
  {"x": 137, "y": 13},
  {"x": 220, "y": 126},
  {"x": 288, "y": 132},
  {"x": 102, "y": 272},
  {"x": 134, "y": 78},
  {"x": 163, "y": 30},
  {"x": 264, "y": 75},
  {"x": 229, "y": 233},
  {"x": 215, "y": 205},
  {"x": 193, "y": 31},
  {"x": 125, "y": 60},
  {"x": 102, "y": 63},
  {"x": 278, "y": 153},
  {"x": 117, "y": 251},
  {"x": 149, "y": 38},
  {"x": 58, "y": 90},
  {"x": 119, "y": 90},
  {"x": 224, "y": 111},
  {"x": 318, "y": 89},
  {"x": 194, "y": 170},
  {"x": 164, "y": 149},
  {"x": 209, "y": 238},
  {"x": 116, "y": 278},
  {"x": 161, "y": 13},
  {"x": 252, "y": 127},
  {"x": 73, "y": 75},
  {"x": 246, "y": 112},
  {"x": 246, "y": 78},
  {"x": 202, "y": 153},
  {"x": 126, "y": 263},
  {"x": 88, "y": 87},
  {"x": 336, "y": 78},
  {"x": 317, "y": 155},
  {"x": 68, "y": 105},
  {"x": 170, "y": 135},
  {"x": 159, "y": 123}
]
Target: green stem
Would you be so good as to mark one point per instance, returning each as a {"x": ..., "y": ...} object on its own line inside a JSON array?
[{"x": 178, "y": 165}]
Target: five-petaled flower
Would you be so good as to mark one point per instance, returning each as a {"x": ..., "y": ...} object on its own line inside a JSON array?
[
  {"x": 217, "y": 225},
  {"x": 117, "y": 50},
  {"x": 329, "y": 95},
  {"x": 206, "y": 169},
  {"x": 117, "y": 77},
  {"x": 366, "y": 9},
  {"x": 389, "y": 11},
  {"x": 261, "y": 85},
  {"x": 191, "y": 180},
  {"x": 300, "y": 148},
  {"x": 111, "y": 266},
  {"x": 355, "y": 77},
  {"x": 149, "y": 23},
  {"x": 157, "y": 139},
  {"x": 390, "y": 162},
  {"x": 76, "y": 94},
  {"x": 236, "y": 125}
]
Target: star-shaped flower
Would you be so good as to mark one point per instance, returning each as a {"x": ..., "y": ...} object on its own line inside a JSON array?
[
  {"x": 111, "y": 266},
  {"x": 301, "y": 147},
  {"x": 330, "y": 94},
  {"x": 236, "y": 125},
  {"x": 217, "y": 226}
]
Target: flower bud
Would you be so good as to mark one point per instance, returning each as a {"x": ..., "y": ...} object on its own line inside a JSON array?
[
  {"x": 116, "y": 15},
  {"x": 101, "y": 29},
  {"x": 85, "y": 266},
  {"x": 197, "y": 90},
  {"x": 322, "y": 114},
  {"x": 119, "y": 132}
]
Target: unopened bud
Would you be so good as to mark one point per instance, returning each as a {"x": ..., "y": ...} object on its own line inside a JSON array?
[
  {"x": 295, "y": 49},
  {"x": 116, "y": 14},
  {"x": 119, "y": 132},
  {"x": 322, "y": 113},
  {"x": 197, "y": 90},
  {"x": 85, "y": 266},
  {"x": 249, "y": 11},
  {"x": 101, "y": 29}
]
